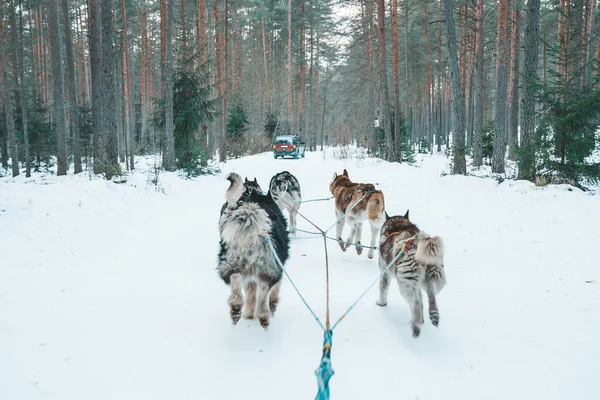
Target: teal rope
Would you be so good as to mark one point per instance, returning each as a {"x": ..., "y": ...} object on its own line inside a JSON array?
[
  {"x": 310, "y": 201},
  {"x": 338, "y": 240},
  {"x": 293, "y": 284},
  {"x": 325, "y": 371},
  {"x": 400, "y": 253}
]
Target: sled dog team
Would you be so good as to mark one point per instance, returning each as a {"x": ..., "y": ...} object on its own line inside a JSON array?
[{"x": 255, "y": 244}]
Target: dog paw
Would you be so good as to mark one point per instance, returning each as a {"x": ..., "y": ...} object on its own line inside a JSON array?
[
  {"x": 342, "y": 244},
  {"x": 264, "y": 322},
  {"x": 235, "y": 312},
  {"x": 416, "y": 331},
  {"x": 435, "y": 318},
  {"x": 381, "y": 303},
  {"x": 370, "y": 255},
  {"x": 273, "y": 306}
]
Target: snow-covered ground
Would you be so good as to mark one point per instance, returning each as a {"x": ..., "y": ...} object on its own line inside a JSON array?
[{"x": 109, "y": 291}]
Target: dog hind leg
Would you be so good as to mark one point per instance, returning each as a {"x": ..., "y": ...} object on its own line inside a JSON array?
[
  {"x": 384, "y": 288},
  {"x": 413, "y": 296},
  {"x": 250, "y": 304},
  {"x": 293, "y": 212},
  {"x": 434, "y": 314},
  {"x": 274, "y": 297},
  {"x": 353, "y": 226},
  {"x": 357, "y": 237},
  {"x": 375, "y": 230},
  {"x": 263, "y": 312},
  {"x": 236, "y": 298},
  {"x": 340, "y": 228}
]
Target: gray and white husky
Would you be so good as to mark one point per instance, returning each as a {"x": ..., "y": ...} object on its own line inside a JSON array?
[
  {"x": 421, "y": 267},
  {"x": 285, "y": 189},
  {"x": 246, "y": 260}
]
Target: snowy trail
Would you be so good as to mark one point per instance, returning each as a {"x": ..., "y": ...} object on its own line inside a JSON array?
[{"x": 110, "y": 291}]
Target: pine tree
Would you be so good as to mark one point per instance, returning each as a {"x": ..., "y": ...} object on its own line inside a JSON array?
[
  {"x": 58, "y": 86},
  {"x": 458, "y": 130}
]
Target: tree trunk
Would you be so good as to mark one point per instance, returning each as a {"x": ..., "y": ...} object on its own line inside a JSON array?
[
  {"x": 202, "y": 31},
  {"x": 385, "y": 97},
  {"x": 458, "y": 130},
  {"x": 109, "y": 93},
  {"x": 502, "y": 60},
  {"x": 290, "y": 94},
  {"x": 302, "y": 94},
  {"x": 366, "y": 17},
  {"x": 527, "y": 153},
  {"x": 144, "y": 137},
  {"x": 589, "y": 64},
  {"x": 478, "y": 91},
  {"x": 99, "y": 140},
  {"x": 163, "y": 44},
  {"x": 183, "y": 33},
  {"x": 513, "y": 102},
  {"x": 24, "y": 104},
  {"x": 127, "y": 106},
  {"x": 427, "y": 92},
  {"x": 406, "y": 57},
  {"x": 169, "y": 148},
  {"x": 396, "y": 74},
  {"x": 266, "y": 65},
  {"x": 462, "y": 51},
  {"x": 58, "y": 86},
  {"x": 8, "y": 105},
  {"x": 72, "y": 87},
  {"x": 597, "y": 56}
]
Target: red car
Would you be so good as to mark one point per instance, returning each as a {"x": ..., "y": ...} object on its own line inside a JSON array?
[{"x": 288, "y": 145}]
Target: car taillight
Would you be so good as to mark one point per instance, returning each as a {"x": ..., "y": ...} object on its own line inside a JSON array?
[{"x": 294, "y": 146}]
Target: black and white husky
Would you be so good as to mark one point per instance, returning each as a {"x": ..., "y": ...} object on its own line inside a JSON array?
[
  {"x": 285, "y": 189},
  {"x": 245, "y": 257},
  {"x": 420, "y": 267}
]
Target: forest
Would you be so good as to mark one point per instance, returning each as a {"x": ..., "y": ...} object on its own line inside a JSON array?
[{"x": 90, "y": 85}]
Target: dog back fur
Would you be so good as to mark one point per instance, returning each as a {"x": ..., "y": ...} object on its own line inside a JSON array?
[
  {"x": 284, "y": 186},
  {"x": 285, "y": 189},
  {"x": 422, "y": 261},
  {"x": 346, "y": 193}
]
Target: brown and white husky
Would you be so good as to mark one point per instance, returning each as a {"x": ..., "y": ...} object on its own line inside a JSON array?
[{"x": 369, "y": 206}]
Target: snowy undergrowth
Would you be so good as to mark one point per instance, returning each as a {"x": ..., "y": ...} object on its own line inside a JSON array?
[{"x": 109, "y": 291}]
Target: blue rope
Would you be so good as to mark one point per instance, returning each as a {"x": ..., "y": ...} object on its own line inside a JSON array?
[
  {"x": 325, "y": 371},
  {"x": 400, "y": 253},
  {"x": 269, "y": 241},
  {"x": 309, "y": 232},
  {"x": 338, "y": 240},
  {"x": 310, "y": 201}
]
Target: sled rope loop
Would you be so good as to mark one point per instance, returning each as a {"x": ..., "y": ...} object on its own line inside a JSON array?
[{"x": 325, "y": 370}]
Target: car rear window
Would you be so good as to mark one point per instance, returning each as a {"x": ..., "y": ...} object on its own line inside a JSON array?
[{"x": 283, "y": 140}]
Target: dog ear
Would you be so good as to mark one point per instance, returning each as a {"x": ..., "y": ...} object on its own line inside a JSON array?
[
  {"x": 255, "y": 180},
  {"x": 387, "y": 216},
  {"x": 246, "y": 180},
  {"x": 406, "y": 215},
  {"x": 345, "y": 172}
]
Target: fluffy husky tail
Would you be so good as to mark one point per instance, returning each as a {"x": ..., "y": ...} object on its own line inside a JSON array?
[
  {"x": 430, "y": 252},
  {"x": 235, "y": 190},
  {"x": 245, "y": 227}
]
